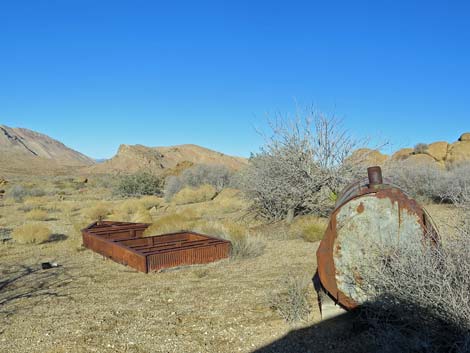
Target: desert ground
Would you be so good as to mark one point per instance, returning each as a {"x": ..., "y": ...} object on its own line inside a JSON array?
[{"x": 92, "y": 304}]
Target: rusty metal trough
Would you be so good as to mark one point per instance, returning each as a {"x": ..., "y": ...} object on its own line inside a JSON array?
[
  {"x": 371, "y": 209},
  {"x": 124, "y": 243}
]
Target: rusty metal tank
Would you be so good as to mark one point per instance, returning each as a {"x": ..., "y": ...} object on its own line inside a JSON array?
[{"x": 368, "y": 209}]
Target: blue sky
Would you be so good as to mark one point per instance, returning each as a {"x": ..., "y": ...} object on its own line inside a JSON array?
[{"x": 95, "y": 74}]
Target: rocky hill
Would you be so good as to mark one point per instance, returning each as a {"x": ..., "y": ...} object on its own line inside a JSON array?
[
  {"x": 161, "y": 160},
  {"x": 441, "y": 153},
  {"x": 28, "y": 143},
  {"x": 26, "y": 152}
]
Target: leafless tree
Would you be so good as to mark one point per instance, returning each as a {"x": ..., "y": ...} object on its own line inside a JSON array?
[{"x": 302, "y": 166}]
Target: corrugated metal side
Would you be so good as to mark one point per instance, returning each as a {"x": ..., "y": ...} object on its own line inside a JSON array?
[
  {"x": 198, "y": 255},
  {"x": 122, "y": 242},
  {"x": 115, "y": 252}
]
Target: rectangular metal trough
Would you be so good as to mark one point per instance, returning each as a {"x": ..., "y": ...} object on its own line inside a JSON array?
[{"x": 125, "y": 244}]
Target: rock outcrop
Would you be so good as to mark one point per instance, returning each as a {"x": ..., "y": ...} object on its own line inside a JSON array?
[
  {"x": 164, "y": 160},
  {"x": 440, "y": 153}
]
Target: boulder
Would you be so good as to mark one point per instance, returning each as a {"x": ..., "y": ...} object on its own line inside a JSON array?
[
  {"x": 402, "y": 154},
  {"x": 368, "y": 157},
  {"x": 421, "y": 159},
  {"x": 465, "y": 137},
  {"x": 438, "y": 150},
  {"x": 459, "y": 152}
]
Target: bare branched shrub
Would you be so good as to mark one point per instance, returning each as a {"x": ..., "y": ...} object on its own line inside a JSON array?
[
  {"x": 218, "y": 176},
  {"x": 292, "y": 303},
  {"x": 301, "y": 167},
  {"x": 429, "y": 182},
  {"x": 418, "y": 293}
]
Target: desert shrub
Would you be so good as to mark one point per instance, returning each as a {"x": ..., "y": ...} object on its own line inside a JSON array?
[
  {"x": 292, "y": 303},
  {"x": 105, "y": 181},
  {"x": 420, "y": 148},
  {"x": 128, "y": 207},
  {"x": 173, "y": 222},
  {"x": 193, "y": 195},
  {"x": 417, "y": 293},
  {"x": 37, "y": 215},
  {"x": 18, "y": 193},
  {"x": 244, "y": 243},
  {"x": 138, "y": 184},
  {"x": 97, "y": 212},
  {"x": 218, "y": 176},
  {"x": 76, "y": 238},
  {"x": 31, "y": 233},
  {"x": 230, "y": 200},
  {"x": 150, "y": 201},
  {"x": 302, "y": 165},
  {"x": 141, "y": 216},
  {"x": 309, "y": 228},
  {"x": 247, "y": 246},
  {"x": 429, "y": 182},
  {"x": 173, "y": 184}
]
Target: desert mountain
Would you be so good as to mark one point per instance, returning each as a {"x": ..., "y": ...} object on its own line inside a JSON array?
[
  {"x": 18, "y": 141},
  {"x": 441, "y": 153},
  {"x": 161, "y": 160},
  {"x": 23, "y": 151}
]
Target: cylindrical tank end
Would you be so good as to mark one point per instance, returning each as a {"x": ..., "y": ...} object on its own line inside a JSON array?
[{"x": 375, "y": 175}]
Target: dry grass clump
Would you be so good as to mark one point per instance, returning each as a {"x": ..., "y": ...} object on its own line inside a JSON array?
[
  {"x": 292, "y": 303},
  {"x": 31, "y": 233},
  {"x": 97, "y": 212},
  {"x": 37, "y": 215},
  {"x": 244, "y": 243},
  {"x": 189, "y": 195},
  {"x": 150, "y": 201},
  {"x": 173, "y": 222},
  {"x": 35, "y": 202},
  {"x": 126, "y": 209},
  {"x": 142, "y": 216},
  {"x": 133, "y": 210},
  {"x": 309, "y": 228},
  {"x": 230, "y": 200}
]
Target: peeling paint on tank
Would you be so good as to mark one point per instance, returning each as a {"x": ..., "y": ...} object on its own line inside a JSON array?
[{"x": 381, "y": 220}]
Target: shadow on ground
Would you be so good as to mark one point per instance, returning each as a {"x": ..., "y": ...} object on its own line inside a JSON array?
[
  {"x": 343, "y": 333},
  {"x": 404, "y": 328},
  {"x": 27, "y": 282}
]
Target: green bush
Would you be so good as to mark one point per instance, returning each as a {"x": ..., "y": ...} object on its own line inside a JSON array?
[{"x": 138, "y": 184}]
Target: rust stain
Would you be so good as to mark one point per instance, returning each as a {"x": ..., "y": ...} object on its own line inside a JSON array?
[
  {"x": 360, "y": 208},
  {"x": 123, "y": 243},
  {"x": 329, "y": 248}
]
